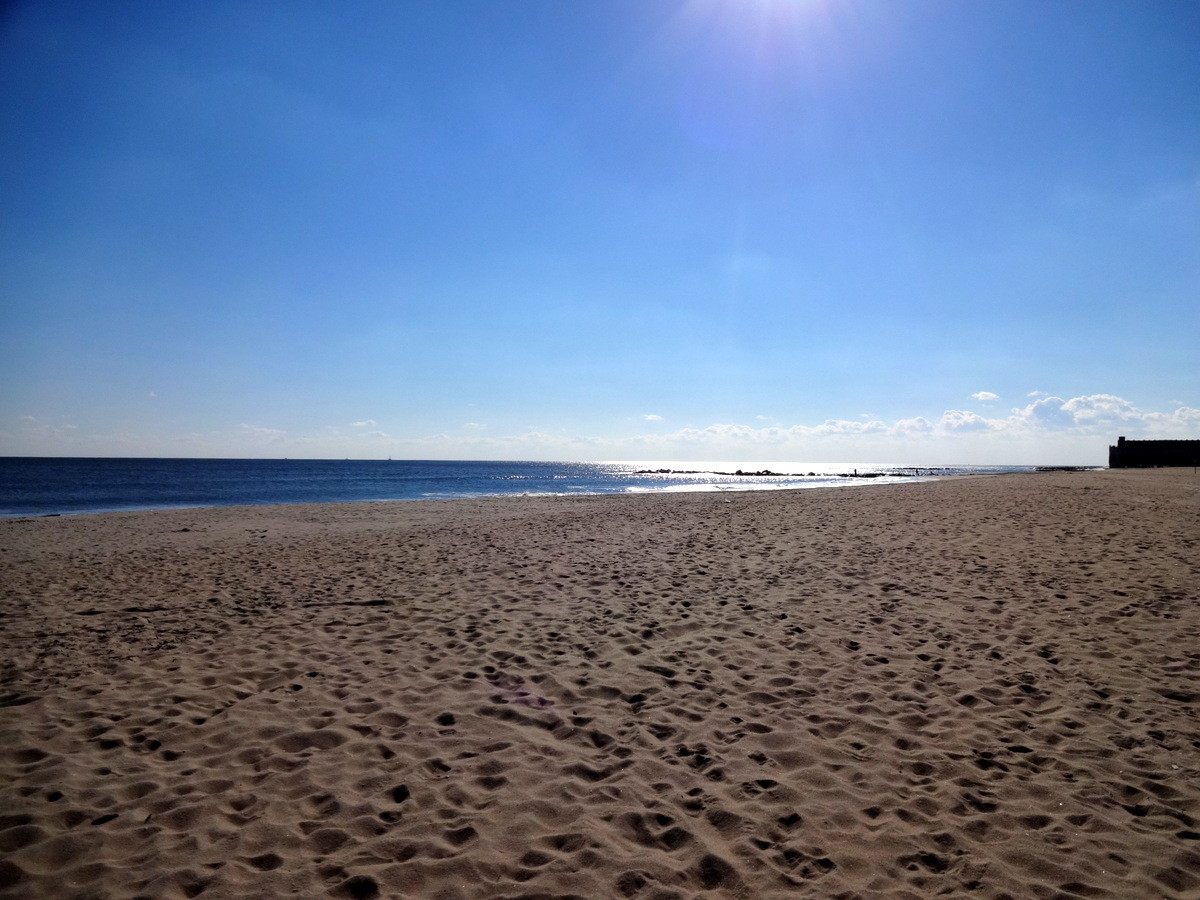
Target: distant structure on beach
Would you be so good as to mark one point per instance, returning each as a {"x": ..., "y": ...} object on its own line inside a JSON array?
[{"x": 1148, "y": 454}]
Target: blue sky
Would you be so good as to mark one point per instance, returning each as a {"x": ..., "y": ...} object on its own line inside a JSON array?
[{"x": 824, "y": 230}]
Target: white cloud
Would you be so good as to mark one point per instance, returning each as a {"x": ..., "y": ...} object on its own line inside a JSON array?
[
  {"x": 1102, "y": 408},
  {"x": 1182, "y": 423},
  {"x": 651, "y": 417},
  {"x": 1101, "y": 414},
  {"x": 985, "y": 395},
  {"x": 958, "y": 421},
  {"x": 268, "y": 434},
  {"x": 1047, "y": 412},
  {"x": 474, "y": 426},
  {"x": 917, "y": 425},
  {"x": 1037, "y": 394},
  {"x": 842, "y": 426},
  {"x": 732, "y": 434},
  {"x": 365, "y": 423},
  {"x": 716, "y": 433}
]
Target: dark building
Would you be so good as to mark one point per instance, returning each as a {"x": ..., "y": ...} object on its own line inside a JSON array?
[{"x": 1146, "y": 454}]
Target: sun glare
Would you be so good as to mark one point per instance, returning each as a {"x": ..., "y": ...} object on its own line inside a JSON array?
[{"x": 758, "y": 28}]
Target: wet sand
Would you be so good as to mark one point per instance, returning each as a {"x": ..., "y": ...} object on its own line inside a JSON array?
[{"x": 983, "y": 687}]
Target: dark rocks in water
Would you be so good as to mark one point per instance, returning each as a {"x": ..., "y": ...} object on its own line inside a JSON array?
[
  {"x": 739, "y": 473},
  {"x": 767, "y": 473}
]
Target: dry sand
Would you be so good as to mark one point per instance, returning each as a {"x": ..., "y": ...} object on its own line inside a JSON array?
[{"x": 975, "y": 687}]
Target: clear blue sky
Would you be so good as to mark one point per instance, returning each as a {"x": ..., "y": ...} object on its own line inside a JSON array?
[{"x": 827, "y": 230}]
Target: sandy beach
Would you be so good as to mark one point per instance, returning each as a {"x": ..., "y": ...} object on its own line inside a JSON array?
[{"x": 984, "y": 687}]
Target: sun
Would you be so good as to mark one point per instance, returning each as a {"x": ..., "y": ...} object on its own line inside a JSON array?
[{"x": 757, "y": 25}]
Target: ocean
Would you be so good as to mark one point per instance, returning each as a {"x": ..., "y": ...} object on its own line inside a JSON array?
[{"x": 39, "y": 486}]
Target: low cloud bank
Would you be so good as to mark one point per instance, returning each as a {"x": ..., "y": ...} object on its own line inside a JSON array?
[
  {"x": 1048, "y": 430},
  {"x": 1097, "y": 414}
]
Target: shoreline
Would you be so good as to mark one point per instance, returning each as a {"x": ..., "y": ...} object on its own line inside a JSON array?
[
  {"x": 41, "y": 487},
  {"x": 852, "y": 480},
  {"x": 978, "y": 685},
  {"x": 672, "y": 492}
]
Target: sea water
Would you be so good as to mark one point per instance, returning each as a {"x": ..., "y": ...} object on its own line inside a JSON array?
[{"x": 32, "y": 486}]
